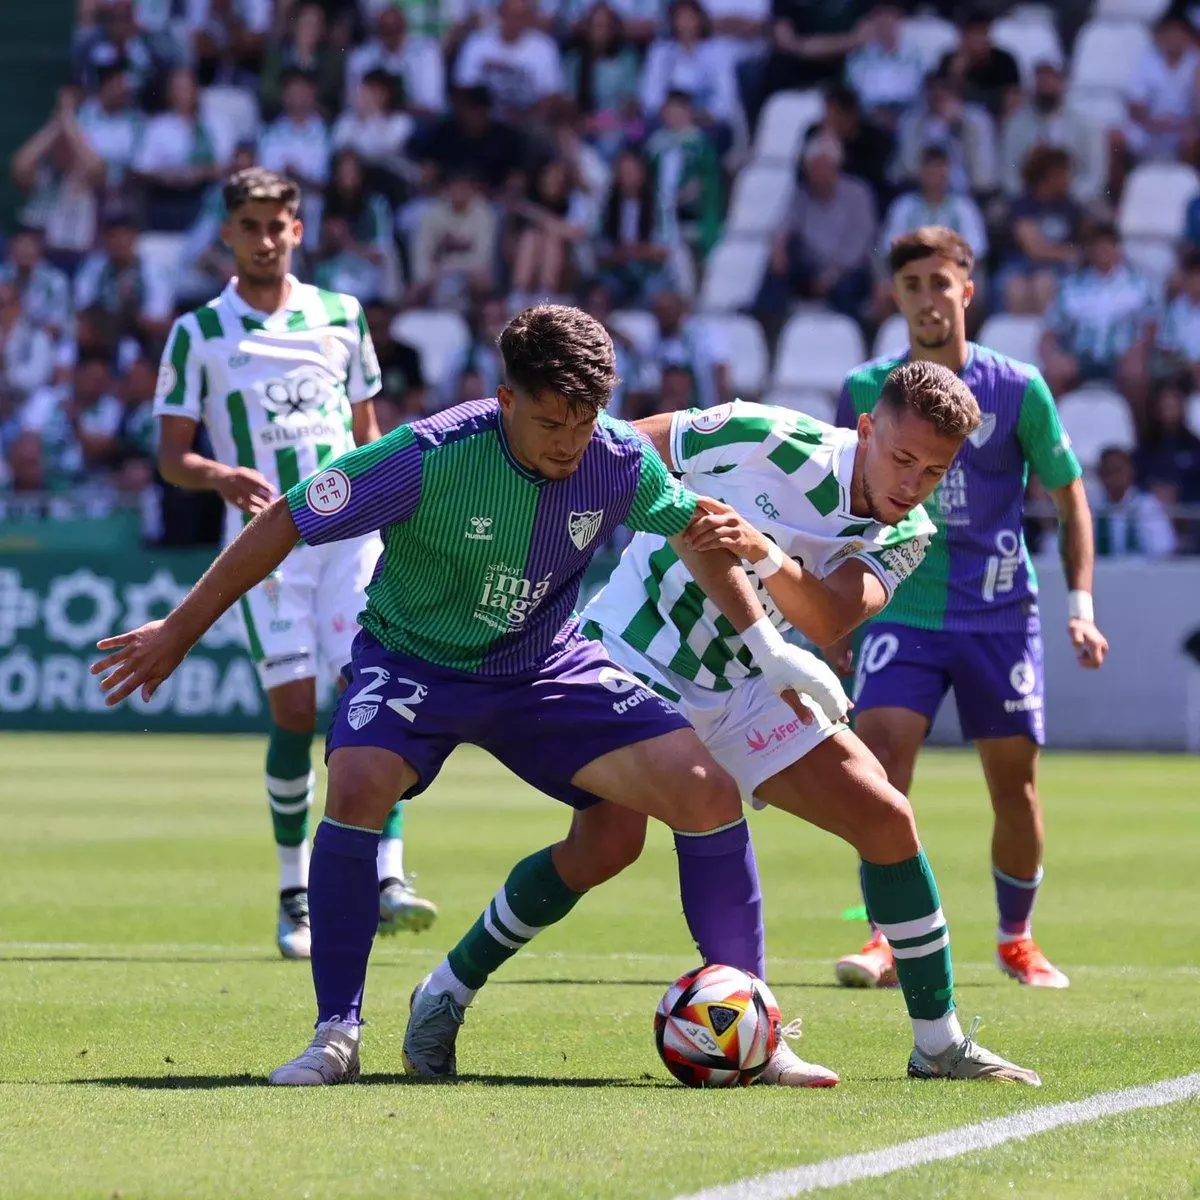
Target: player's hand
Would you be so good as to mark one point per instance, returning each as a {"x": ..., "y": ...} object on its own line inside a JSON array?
[
  {"x": 1090, "y": 644},
  {"x": 801, "y": 672},
  {"x": 719, "y": 527},
  {"x": 840, "y": 656},
  {"x": 142, "y": 658},
  {"x": 245, "y": 488}
]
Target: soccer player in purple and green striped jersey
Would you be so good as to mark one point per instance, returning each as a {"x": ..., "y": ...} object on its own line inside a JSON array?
[
  {"x": 967, "y": 617},
  {"x": 490, "y": 513}
]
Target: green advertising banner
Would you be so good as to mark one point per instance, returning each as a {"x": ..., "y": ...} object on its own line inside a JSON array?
[{"x": 55, "y": 605}]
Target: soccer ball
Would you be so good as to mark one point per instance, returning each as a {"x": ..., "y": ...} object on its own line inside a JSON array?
[{"x": 717, "y": 1027}]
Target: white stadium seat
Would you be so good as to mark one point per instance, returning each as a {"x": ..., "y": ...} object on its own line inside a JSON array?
[
  {"x": 438, "y": 337},
  {"x": 231, "y": 115},
  {"x": 931, "y": 37},
  {"x": 1106, "y": 55},
  {"x": 1156, "y": 199},
  {"x": 815, "y": 352},
  {"x": 637, "y": 325},
  {"x": 749, "y": 361},
  {"x": 1095, "y": 418},
  {"x": 892, "y": 339},
  {"x": 1015, "y": 336},
  {"x": 1029, "y": 43},
  {"x": 760, "y": 200},
  {"x": 818, "y": 405},
  {"x": 733, "y": 274},
  {"x": 160, "y": 252},
  {"x": 1147, "y": 11},
  {"x": 786, "y": 119},
  {"x": 1153, "y": 257}
]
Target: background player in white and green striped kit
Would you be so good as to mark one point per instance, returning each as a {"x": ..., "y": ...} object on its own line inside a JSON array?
[
  {"x": 828, "y": 522},
  {"x": 282, "y": 374}
]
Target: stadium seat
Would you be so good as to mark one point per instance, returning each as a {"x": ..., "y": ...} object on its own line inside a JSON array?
[
  {"x": 231, "y": 115},
  {"x": 160, "y": 252},
  {"x": 815, "y": 404},
  {"x": 733, "y": 274},
  {"x": 784, "y": 123},
  {"x": 892, "y": 339},
  {"x": 637, "y": 325},
  {"x": 760, "y": 200},
  {"x": 815, "y": 352},
  {"x": 1029, "y": 43},
  {"x": 1147, "y": 11},
  {"x": 749, "y": 361},
  {"x": 1156, "y": 199},
  {"x": 1106, "y": 55},
  {"x": 1155, "y": 258},
  {"x": 438, "y": 337},
  {"x": 1095, "y": 418},
  {"x": 1015, "y": 336},
  {"x": 931, "y": 37}
]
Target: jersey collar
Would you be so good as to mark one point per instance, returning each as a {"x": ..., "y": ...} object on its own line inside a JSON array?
[
  {"x": 242, "y": 309},
  {"x": 843, "y": 469},
  {"x": 510, "y": 457}
]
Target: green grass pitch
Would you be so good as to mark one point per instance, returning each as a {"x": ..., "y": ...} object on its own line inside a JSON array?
[{"x": 143, "y": 1001}]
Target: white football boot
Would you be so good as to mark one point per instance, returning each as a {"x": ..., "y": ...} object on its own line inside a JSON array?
[
  {"x": 293, "y": 934},
  {"x": 401, "y": 908},
  {"x": 966, "y": 1060},
  {"x": 331, "y": 1057},
  {"x": 788, "y": 1069}
]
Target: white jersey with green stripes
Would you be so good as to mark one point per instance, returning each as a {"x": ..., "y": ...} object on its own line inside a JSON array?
[
  {"x": 789, "y": 476},
  {"x": 274, "y": 389}
]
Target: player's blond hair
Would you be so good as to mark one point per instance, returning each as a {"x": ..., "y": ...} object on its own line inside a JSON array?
[{"x": 935, "y": 394}]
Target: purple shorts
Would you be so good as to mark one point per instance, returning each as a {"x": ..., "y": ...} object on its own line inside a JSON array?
[
  {"x": 997, "y": 677},
  {"x": 543, "y": 726}
]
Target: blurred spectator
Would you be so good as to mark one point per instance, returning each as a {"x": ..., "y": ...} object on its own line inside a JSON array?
[
  {"x": 58, "y": 172},
  {"x": 641, "y": 20},
  {"x": 111, "y": 123},
  {"x": 549, "y": 225},
  {"x": 26, "y": 350},
  {"x": 988, "y": 75},
  {"x": 368, "y": 216},
  {"x": 632, "y": 260},
  {"x": 1045, "y": 120},
  {"x": 690, "y": 61},
  {"x": 375, "y": 131},
  {"x": 1100, "y": 323},
  {"x": 113, "y": 37},
  {"x": 965, "y": 131},
  {"x": 602, "y": 70},
  {"x": 1191, "y": 227},
  {"x": 454, "y": 250},
  {"x": 1127, "y": 521},
  {"x": 227, "y": 38},
  {"x": 809, "y": 43},
  {"x": 676, "y": 390},
  {"x": 176, "y": 158},
  {"x": 307, "y": 48},
  {"x": 469, "y": 137},
  {"x": 1179, "y": 336},
  {"x": 740, "y": 27},
  {"x": 597, "y": 301},
  {"x": 687, "y": 182},
  {"x": 866, "y": 147},
  {"x": 44, "y": 290},
  {"x": 76, "y": 426},
  {"x": 1168, "y": 455},
  {"x": 402, "y": 396},
  {"x": 884, "y": 74},
  {"x": 518, "y": 63},
  {"x": 1045, "y": 225},
  {"x": 682, "y": 341},
  {"x": 478, "y": 371},
  {"x": 823, "y": 250},
  {"x": 1162, "y": 104},
  {"x": 415, "y": 63},
  {"x": 296, "y": 143},
  {"x": 116, "y": 280},
  {"x": 342, "y": 265}
]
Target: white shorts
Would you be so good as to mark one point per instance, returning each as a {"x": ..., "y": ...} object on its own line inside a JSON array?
[
  {"x": 299, "y": 622},
  {"x": 749, "y": 730}
]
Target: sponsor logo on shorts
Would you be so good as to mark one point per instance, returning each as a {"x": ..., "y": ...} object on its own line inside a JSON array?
[
  {"x": 479, "y": 529},
  {"x": 622, "y": 683},
  {"x": 757, "y": 742},
  {"x": 270, "y": 588},
  {"x": 508, "y": 597},
  {"x": 713, "y": 419},
  {"x": 282, "y": 660},
  {"x": 1023, "y": 678},
  {"x": 981, "y": 436},
  {"x": 583, "y": 527},
  {"x": 329, "y": 492}
]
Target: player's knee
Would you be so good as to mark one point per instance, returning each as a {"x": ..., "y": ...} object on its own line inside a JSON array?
[
  {"x": 711, "y": 800},
  {"x": 293, "y": 711},
  {"x": 363, "y": 787}
]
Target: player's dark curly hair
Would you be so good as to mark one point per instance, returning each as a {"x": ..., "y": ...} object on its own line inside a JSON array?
[
  {"x": 930, "y": 241},
  {"x": 257, "y": 183},
  {"x": 553, "y": 348},
  {"x": 934, "y": 393}
]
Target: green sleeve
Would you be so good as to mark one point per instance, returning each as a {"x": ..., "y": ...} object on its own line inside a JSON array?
[
  {"x": 1043, "y": 438},
  {"x": 661, "y": 504}
]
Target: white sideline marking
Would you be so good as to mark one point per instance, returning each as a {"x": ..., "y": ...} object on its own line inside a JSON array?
[{"x": 834, "y": 1172}]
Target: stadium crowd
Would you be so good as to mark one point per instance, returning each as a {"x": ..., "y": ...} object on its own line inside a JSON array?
[{"x": 718, "y": 181}]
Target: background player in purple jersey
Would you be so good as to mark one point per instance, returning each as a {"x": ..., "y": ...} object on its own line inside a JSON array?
[
  {"x": 968, "y": 618},
  {"x": 490, "y": 514}
]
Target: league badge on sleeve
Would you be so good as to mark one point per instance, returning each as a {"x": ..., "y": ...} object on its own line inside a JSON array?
[
  {"x": 329, "y": 492},
  {"x": 712, "y": 419}
]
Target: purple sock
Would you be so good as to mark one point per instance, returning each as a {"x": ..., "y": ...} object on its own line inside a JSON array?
[
  {"x": 343, "y": 904},
  {"x": 722, "y": 900},
  {"x": 1015, "y": 899}
]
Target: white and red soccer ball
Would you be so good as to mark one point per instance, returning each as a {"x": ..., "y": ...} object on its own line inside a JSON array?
[{"x": 717, "y": 1027}]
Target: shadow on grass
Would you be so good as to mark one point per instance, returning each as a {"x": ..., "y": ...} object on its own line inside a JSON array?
[{"x": 205, "y": 1083}]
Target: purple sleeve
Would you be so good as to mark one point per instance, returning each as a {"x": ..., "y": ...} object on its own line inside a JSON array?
[{"x": 845, "y": 417}]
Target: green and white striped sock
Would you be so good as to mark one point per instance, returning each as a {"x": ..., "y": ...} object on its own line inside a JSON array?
[{"x": 290, "y": 781}]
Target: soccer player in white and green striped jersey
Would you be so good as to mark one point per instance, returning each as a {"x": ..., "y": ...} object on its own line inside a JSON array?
[
  {"x": 282, "y": 374},
  {"x": 828, "y": 522}
]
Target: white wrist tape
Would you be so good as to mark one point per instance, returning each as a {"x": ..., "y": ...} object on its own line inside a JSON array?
[
  {"x": 1079, "y": 606},
  {"x": 766, "y": 567},
  {"x": 763, "y": 641}
]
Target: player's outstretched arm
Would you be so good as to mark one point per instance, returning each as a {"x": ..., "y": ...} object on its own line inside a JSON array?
[
  {"x": 1077, "y": 547},
  {"x": 144, "y": 657},
  {"x": 243, "y": 487}
]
